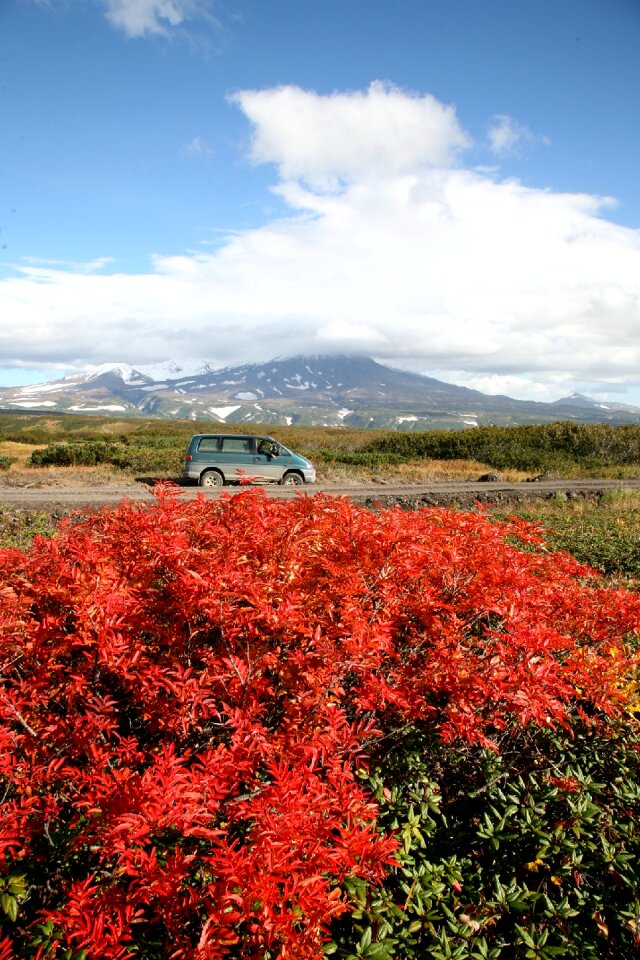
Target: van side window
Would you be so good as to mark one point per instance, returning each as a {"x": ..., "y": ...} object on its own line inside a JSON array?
[
  {"x": 237, "y": 445},
  {"x": 208, "y": 444}
]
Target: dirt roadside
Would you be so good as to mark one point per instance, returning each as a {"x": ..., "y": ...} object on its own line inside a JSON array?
[{"x": 61, "y": 500}]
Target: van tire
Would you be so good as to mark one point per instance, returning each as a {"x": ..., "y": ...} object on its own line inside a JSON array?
[
  {"x": 211, "y": 478},
  {"x": 292, "y": 479}
]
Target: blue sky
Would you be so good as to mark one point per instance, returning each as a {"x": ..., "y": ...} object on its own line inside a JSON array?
[{"x": 448, "y": 186}]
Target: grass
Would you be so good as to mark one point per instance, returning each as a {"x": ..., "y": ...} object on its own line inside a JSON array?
[
  {"x": 21, "y": 452},
  {"x": 576, "y": 471},
  {"x": 414, "y": 471},
  {"x": 26, "y": 476},
  {"x": 18, "y": 528},
  {"x": 604, "y": 533}
]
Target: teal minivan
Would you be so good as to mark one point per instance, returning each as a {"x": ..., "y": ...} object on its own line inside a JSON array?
[{"x": 215, "y": 459}]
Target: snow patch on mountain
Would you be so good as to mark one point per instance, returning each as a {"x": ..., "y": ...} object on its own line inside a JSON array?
[
  {"x": 43, "y": 388},
  {"x": 143, "y": 372},
  {"x": 223, "y": 412},
  {"x": 110, "y": 407}
]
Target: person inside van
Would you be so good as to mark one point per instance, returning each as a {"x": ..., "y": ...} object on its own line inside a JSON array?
[{"x": 268, "y": 448}]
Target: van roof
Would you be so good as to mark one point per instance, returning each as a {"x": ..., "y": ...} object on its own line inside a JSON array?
[{"x": 258, "y": 436}]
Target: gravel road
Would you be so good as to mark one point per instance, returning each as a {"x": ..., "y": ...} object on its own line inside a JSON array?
[{"x": 61, "y": 499}]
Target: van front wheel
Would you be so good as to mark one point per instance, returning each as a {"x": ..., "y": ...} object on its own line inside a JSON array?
[
  {"x": 211, "y": 478},
  {"x": 292, "y": 479}
]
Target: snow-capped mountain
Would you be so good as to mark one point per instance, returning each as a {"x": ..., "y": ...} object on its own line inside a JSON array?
[
  {"x": 302, "y": 390},
  {"x": 579, "y": 401},
  {"x": 148, "y": 372}
]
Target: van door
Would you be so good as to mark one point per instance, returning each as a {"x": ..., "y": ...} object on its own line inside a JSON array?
[
  {"x": 236, "y": 457},
  {"x": 267, "y": 464}
]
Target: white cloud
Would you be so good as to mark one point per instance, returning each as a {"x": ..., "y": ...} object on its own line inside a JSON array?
[
  {"x": 419, "y": 264},
  {"x": 141, "y": 18},
  {"x": 138, "y": 18},
  {"x": 548, "y": 385},
  {"x": 506, "y": 136},
  {"x": 349, "y": 136},
  {"x": 197, "y": 148},
  {"x": 88, "y": 266}
]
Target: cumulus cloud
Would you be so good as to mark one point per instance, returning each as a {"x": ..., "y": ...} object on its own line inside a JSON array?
[
  {"x": 349, "y": 136},
  {"x": 408, "y": 258}
]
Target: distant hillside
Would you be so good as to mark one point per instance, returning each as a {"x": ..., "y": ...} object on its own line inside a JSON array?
[{"x": 305, "y": 390}]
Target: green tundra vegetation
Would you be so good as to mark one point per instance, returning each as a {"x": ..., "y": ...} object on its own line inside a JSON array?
[
  {"x": 555, "y": 447},
  {"x": 603, "y": 533},
  {"x": 147, "y": 445}
]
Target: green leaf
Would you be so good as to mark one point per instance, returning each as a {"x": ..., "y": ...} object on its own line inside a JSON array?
[
  {"x": 10, "y": 906},
  {"x": 378, "y": 951},
  {"x": 525, "y": 936},
  {"x": 18, "y": 885}
]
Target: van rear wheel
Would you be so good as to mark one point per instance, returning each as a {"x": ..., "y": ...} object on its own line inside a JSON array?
[
  {"x": 211, "y": 478},
  {"x": 292, "y": 479}
]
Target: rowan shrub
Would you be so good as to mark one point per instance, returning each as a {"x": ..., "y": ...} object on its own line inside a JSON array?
[{"x": 251, "y": 728}]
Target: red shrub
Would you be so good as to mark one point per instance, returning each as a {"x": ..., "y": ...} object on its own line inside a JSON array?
[{"x": 189, "y": 689}]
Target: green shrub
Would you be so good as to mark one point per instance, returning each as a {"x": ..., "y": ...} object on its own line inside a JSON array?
[
  {"x": 552, "y": 446},
  {"x": 75, "y": 454},
  {"x": 165, "y": 460},
  {"x": 5, "y": 462},
  {"x": 531, "y": 853},
  {"x": 609, "y": 542},
  {"x": 125, "y": 456},
  {"x": 357, "y": 458}
]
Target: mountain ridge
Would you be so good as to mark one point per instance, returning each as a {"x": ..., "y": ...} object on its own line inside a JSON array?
[{"x": 314, "y": 390}]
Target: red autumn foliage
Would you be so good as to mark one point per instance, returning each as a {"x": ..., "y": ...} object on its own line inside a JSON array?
[{"x": 189, "y": 689}]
